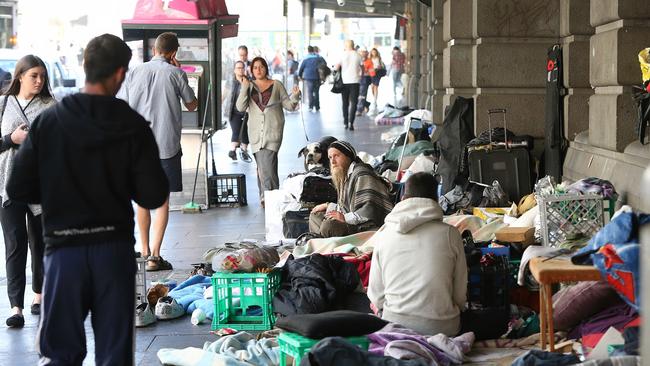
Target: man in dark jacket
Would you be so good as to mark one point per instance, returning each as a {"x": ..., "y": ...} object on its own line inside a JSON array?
[
  {"x": 308, "y": 71},
  {"x": 84, "y": 161}
]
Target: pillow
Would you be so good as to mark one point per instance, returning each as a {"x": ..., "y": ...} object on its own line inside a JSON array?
[
  {"x": 576, "y": 303},
  {"x": 342, "y": 323}
]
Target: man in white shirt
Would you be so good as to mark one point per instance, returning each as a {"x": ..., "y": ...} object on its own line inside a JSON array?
[
  {"x": 350, "y": 67},
  {"x": 418, "y": 275},
  {"x": 154, "y": 89}
]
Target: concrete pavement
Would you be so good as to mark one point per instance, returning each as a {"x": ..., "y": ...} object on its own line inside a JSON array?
[{"x": 188, "y": 236}]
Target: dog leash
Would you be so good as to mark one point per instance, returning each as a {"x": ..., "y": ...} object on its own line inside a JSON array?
[{"x": 302, "y": 119}]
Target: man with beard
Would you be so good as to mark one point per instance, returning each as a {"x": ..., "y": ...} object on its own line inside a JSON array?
[{"x": 363, "y": 196}]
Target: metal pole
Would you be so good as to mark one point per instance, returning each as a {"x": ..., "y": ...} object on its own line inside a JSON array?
[
  {"x": 307, "y": 14},
  {"x": 286, "y": 43},
  {"x": 417, "y": 19}
]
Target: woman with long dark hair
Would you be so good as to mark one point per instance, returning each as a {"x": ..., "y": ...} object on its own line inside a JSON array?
[
  {"x": 264, "y": 99},
  {"x": 238, "y": 120},
  {"x": 26, "y": 97}
]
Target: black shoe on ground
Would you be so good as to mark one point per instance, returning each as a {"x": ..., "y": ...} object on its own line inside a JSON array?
[
  {"x": 36, "y": 309},
  {"x": 346, "y": 126},
  {"x": 16, "y": 321},
  {"x": 351, "y": 127},
  {"x": 232, "y": 155},
  {"x": 243, "y": 154}
]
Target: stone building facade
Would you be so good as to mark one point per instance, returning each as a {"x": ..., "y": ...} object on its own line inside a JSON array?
[{"x": 495, "y": 52}]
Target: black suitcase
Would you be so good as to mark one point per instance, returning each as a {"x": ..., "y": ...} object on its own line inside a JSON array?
[
  {"x": 318, "y": 190},
  {"x": 295, "y": 223},
  {"x": 509, "y": 165}
]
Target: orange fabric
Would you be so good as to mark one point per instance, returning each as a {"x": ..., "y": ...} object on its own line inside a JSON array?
[{"x": 369, "y": 67}]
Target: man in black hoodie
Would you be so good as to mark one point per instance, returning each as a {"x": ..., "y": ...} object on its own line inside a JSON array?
[{"x": 84, "y": 161}]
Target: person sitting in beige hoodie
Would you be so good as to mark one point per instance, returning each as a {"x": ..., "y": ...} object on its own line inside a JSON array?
[{"x": 418, "y": 275}]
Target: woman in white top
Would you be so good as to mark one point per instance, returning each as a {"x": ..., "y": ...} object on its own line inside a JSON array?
[
  {"x": 350, "y": 67},
  {"x": 26, "y": 97}
]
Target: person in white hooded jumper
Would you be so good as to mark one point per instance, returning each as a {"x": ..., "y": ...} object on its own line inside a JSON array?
[{"x": 418, "y": 275}]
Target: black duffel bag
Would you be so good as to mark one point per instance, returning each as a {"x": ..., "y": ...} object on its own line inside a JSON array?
[
  {"x": 295, "y": 223},
  {"x": 318, "y": 190}
]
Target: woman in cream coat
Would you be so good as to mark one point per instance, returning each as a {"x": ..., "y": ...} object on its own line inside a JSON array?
[{"x": 264, "y": 99}]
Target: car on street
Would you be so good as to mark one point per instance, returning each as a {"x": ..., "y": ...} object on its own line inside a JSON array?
[{"x": 61, "y": 81}]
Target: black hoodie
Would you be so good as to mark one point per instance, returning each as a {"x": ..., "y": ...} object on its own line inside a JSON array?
[{"x": 84, "y": 160}]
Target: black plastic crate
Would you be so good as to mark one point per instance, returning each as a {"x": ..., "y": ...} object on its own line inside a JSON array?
[
  {"x": 489, "y": 286},
  {"x": 227, "y": 190}
]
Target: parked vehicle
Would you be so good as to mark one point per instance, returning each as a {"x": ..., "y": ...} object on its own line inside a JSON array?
[{"x": 61, "y": 82}]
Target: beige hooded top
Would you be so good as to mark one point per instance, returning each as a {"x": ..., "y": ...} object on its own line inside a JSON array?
[{"x": 418, "y": 274}]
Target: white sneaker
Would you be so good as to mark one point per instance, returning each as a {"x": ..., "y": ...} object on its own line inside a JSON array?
[
  {"x": 168, "y": 308},
  {"x": 144, "y": 315}
]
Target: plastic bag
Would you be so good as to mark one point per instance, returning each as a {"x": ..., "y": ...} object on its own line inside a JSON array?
[
  {"x": 644, "y": 61},
  {"x": 244, "y": 257},
  {"x": 545, "y": 186},
  {"x": 494, "y": 196}
]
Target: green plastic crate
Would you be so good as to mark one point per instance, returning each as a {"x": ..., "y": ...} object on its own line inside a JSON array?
[
  {"x": 238, "y": 295},
  {"x": 296, "y": 346}
]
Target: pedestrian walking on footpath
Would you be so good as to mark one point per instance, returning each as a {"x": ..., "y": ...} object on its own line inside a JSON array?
[{"x": 350, "y": 66}]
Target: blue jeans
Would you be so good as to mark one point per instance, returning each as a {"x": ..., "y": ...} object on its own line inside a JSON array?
[
  {"x": 313, "y": 86},
  {"x": 96, "y": 277}
]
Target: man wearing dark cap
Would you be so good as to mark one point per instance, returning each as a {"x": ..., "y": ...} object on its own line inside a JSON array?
[{"x": 363, "y": 196}]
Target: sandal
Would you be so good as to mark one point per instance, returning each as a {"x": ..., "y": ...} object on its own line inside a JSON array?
[{"x": 158, "y": 264}]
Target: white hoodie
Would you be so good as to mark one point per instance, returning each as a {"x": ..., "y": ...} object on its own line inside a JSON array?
[{"x": 418, "y": 274}]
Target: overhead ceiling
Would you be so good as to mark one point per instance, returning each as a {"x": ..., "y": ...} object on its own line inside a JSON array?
[{"x": 359, "y": 8}]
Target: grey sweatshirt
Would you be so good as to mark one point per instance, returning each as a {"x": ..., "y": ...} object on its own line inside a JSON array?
[{"x": 11, "y": 119}]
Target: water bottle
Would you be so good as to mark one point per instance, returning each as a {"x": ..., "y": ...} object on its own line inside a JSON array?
[{"x": 198, "y": 317}]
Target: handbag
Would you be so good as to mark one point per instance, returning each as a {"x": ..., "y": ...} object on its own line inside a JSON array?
[
  {"x": 318, "y": 190},
  {"x": 295, "y": 223},
  {"x": 337, "y": 85},
  {"x": 380, "y": 73}
]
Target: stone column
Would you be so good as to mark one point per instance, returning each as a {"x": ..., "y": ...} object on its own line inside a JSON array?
[
  {"x": 457, "y": 57},
  {"x": 622, "y": 30},
  {"x": 511, "y": 38},
  {"x": 437, "y": 47},
  {"x": 418, "y": 70},
  {"x": 575, "y": 32}
]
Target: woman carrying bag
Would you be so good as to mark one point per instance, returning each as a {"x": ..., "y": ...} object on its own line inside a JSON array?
[
  {"x": 264, "y": 100},
  {"x": 26, "y": 97}
]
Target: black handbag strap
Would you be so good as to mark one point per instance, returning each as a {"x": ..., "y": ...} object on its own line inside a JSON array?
[{"x": 4, "y": 106}]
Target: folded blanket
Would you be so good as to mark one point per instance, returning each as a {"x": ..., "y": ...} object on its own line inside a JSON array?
[
  {"x": 239, "y": 349},
  {"x": 354, "y": 243}
]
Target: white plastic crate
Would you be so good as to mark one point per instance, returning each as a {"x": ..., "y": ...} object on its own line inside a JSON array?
[
  {"x": 565, "y": 216},
  {"x": 141, "y": 281}
]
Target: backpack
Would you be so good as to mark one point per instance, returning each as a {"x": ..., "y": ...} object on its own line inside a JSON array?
[{"x": 323, "y": 72}]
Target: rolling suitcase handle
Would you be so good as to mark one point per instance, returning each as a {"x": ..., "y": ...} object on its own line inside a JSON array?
[{"x": 505, "y": 125}]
